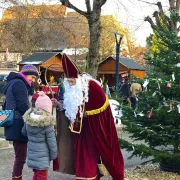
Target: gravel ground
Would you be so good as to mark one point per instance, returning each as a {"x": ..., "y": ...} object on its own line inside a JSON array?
[{"x": 149, "y": 172}]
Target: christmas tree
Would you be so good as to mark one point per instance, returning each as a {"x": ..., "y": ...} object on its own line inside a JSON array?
[{"x": 156, "y": 120}]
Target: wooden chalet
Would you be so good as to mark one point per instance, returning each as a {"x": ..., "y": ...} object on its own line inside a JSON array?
[
  {"x": 107, "y": 68},
  {"x": 45, "y": 60}
]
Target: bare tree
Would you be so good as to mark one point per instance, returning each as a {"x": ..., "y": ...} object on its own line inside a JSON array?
[
  {"x": 28, "y": 28},
  {"x": 93, "y": 17},
  {"x": 174, "y": 6},
  {"x": 25, "y": 28}
]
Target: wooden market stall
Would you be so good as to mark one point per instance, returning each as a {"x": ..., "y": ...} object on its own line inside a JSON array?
[
  {"x": 107, "y": 68},
  {"x": 49, "y": 62}
]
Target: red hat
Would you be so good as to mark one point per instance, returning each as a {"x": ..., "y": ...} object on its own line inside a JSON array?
[{"x": 69, "y": 67}]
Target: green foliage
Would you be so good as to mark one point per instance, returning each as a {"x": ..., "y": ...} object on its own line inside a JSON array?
[
  {"x": 161, "y": 130},
  {"x": 164, "y": 48},
  {"x": 83, "y": 68},
  {"x": 175, "y": 17},
  {"x": 156, "y": 120}
]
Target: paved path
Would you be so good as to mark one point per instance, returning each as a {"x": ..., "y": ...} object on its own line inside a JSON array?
[{"x": 6, "y": 161}]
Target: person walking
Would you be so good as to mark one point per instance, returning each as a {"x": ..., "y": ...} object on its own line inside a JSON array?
[
  {"x": 39, "y": 128},
  {"x": 124, "y": 91},
  {"x": 135, "y": 88},
  {"x": 16, "y": 91}
]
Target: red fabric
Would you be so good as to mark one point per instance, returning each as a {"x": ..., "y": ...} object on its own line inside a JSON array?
[
  {"x": 69, "y": 67},
  {"x": 35, "y": 96},
  {"x": 105, "y": 138},
  {"x": 40, "y": 174},
  {"x": 46, "y": 89},
  {"x": 55, "y": 164},
  {"x": 96, "y": 96},
  {"x": 98, "y": 138},
  {"x": 86, "y": 156}
]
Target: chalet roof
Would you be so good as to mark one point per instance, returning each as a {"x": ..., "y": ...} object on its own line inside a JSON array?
[
  {"x": 37, "y": 58},
  {"x": 129, "y": 63}
]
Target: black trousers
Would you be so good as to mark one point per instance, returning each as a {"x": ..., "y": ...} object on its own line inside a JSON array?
[{"x": 133, "y": 102}]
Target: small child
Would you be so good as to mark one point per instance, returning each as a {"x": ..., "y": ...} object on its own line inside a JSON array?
[{"x": 39, "y": 128}]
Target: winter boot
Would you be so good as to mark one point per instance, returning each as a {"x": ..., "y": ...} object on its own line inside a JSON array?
[{"x": 17, "y": 178}]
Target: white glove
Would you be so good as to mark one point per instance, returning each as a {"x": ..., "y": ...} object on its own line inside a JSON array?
[{"x": 60, "y": 106}]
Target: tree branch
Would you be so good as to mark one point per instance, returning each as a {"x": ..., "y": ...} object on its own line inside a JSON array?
[
  {"x": 172, "y": 4},
  {"x": 88, "y": 6},
  {"x": 102, "y": 2},
  {"x": 147, "y": 2},
  {"x": 17, "y": 3},
  {"x": 148, "y": 19},
  {"x": 160, "y": 8},
  {"x": 97, "y": 4},
  {"x": 156, "y": 15},
  {"x": 168, "y": 22},
  {"x": 69, "y": 5},
  {"x": 177, "y": 5}
]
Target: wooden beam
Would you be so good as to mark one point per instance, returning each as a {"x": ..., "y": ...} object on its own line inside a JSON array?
[{"x": 111, "y": 72}]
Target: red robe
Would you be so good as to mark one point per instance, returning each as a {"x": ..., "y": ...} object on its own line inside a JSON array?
[{"x": 97, "y": 138}]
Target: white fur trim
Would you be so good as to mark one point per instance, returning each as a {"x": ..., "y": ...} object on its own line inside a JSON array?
[
  {"x": 44, "y": 120},
  {"x": 34, "y": 116}
]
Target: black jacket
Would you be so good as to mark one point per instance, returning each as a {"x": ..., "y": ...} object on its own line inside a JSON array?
[
  {"x": 16, "y": 91},
  {"x": 125, "y": 90}
]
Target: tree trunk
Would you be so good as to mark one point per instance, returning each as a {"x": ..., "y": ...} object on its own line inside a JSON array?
[
  {"x": 94, "y": 45},
  {"x": 93, "y": 16}
]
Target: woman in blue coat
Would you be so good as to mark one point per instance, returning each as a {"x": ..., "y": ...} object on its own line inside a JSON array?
[{"x": 17, "y": 91}]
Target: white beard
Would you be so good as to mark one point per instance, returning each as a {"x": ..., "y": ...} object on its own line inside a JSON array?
[{"x": 74, "y": 97}]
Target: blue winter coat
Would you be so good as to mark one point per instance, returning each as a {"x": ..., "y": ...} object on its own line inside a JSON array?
[
  {"x": 42, "y": 147},
  {"x": 16, "y": 91},
  {"x": 61, "y": 91}
]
